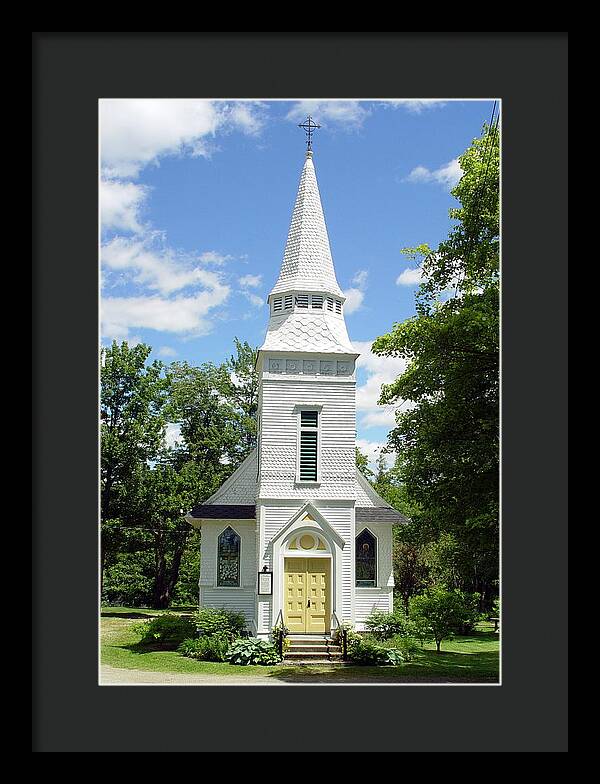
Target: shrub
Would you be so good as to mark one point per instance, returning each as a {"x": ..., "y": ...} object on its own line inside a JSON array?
[
  {"x": 383, "y": 626},
  {"x": 223, "y": 622},
  {"x": 213, "y": 648},
  {"x": 251, "y": 650},
  {"x": 470, "y": 614},
  {"x": 166, "y": 631},
  {"x": 365, "y": 651},
  {"x": 407, "y": 646}
]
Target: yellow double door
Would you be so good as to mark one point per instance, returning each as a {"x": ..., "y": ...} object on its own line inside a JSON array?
[{"x": 306, "y": 595}]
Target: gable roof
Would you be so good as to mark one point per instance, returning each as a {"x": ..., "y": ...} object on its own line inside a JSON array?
[{"x": 236, "y": 499}]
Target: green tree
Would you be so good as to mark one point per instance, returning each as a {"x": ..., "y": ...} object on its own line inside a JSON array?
[
  {"x": 449, "y": 437},
  {"x": 242, "y": 393},
  {"x": 439, "y": 613},
  {"x": 362, "y": 463},
  {"x": 132, "y": 421}
]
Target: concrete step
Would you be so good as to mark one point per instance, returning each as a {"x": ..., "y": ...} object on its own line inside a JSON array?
[
  {"x": 302, "y": 638},
  {"x": 306, "y": 655}
]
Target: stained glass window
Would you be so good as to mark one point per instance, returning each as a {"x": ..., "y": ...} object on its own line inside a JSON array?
[
  {"x": 228, "y": 559},
  {"x": 366, "y": 560}
]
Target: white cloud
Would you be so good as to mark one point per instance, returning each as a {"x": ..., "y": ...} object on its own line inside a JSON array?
[
  {"x": 373, "y": 450},
  {"x": 416, "y": 105},
  {"x": 172, "y": 434},
  {"x": 379, "y": 370},
  {"x": 212, "y": 257},
  {"x": 157, "y": 268},
  {"x": 166, "y": 351},
  {"x": 413, "y": 276},
  {"x": 257, "y": 301},
  {"x": 247, "y": 116},
  {"x": 137, "y": 132},
  {"x": 250, "y": 281},
  {"x": 447, "y": 175},
  {"x": 355, "y": 295},
  {"x": 179, "y": 315},
  {"x": 354, "y": 300},
  {"x": 341, "y": 113},
  {"x": 120, "y": 203},
  {"x": 360, "y": 279}
]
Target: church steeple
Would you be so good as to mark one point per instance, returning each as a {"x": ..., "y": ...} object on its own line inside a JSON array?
[
  {"x": 307, "y": 304},
  {"x": 307, "y": 262}
]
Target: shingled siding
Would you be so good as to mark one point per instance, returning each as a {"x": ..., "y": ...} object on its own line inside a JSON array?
[{"x": 279, "y": 429}]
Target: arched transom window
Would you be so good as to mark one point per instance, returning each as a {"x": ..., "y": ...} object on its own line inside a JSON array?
[
  {"x": 307, "y": 540},
  {"x": 366, "y": 560},
  {"x": 228, "y": 559}
]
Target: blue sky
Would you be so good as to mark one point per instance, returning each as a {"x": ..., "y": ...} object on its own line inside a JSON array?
[{"x": 196, "y": 198}]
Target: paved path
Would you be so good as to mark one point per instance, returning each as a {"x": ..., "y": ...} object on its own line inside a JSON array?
[{"x": 113, "y": 676}]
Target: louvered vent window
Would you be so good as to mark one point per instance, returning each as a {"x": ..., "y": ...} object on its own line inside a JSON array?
[
  {"x": 338, "y": 306},
  {"x": 329, "y": 303},
  {"x": 309, "y": 443},
  {"x": 317, "y": 302},
  {"x": 287, "y": 301},
  {"x": 277, "y": 305},
  {"x": 302, "y": 300}
]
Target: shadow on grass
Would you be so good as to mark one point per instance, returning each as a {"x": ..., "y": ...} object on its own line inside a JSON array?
[
  {"x": 140, "y": 648},
  {"x": 429, "y": 667},
  {"x": 143, "y": 615}
]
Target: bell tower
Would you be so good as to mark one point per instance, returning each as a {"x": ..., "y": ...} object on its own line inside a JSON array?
[{"x": 307, "y": 366}]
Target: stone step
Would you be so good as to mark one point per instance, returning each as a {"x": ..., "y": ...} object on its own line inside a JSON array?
[{"x": 315, "y": 648}]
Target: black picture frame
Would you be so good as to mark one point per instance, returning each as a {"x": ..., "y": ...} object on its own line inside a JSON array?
[
  {"x": 71, "y": 72},
  {"x": 258, "y": 587}
]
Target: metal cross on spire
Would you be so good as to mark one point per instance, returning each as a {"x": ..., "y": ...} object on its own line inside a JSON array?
[{"x": 309, "y": 127}]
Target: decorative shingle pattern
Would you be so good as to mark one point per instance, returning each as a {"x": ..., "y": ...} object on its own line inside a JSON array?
[
  {"x": 240, "y": 488},
  {"x": 319, "y": 332},
  {"x": 307, "y": 262}
]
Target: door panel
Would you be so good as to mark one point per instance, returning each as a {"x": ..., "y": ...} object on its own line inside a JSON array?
[
  {"x": 306, "y": 600},
  {"x": 295, "y": 594},
  {"x": 317, "y": 615}
]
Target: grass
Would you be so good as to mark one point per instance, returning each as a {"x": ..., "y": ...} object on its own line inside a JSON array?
[{"x": 472, "y": 659}]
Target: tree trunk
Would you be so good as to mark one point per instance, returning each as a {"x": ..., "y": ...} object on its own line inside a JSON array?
[
  {"x": 175, "y": 566},
  {"x": 438, "y": 644},
  {"x": 160, "y": 593}
]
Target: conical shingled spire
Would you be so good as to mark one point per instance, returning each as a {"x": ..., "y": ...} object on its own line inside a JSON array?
[{"x": 307, "y": 262}]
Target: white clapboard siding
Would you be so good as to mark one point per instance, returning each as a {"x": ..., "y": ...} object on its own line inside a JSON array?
[
  {"x": 341, "y": 518},
  {"x": 242, "y": 599},
  {"x": 366, "y": 600},
  {"x": 279, "y": 438}
]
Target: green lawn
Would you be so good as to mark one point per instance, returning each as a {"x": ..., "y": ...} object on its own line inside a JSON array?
[{"x": 462, "y": 660}]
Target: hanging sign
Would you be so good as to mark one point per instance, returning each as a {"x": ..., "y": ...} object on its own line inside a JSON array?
[{"x": 265, "y": 583}]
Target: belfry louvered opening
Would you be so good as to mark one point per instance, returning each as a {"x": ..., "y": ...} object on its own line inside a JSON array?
[{"x": 309, "y": 446}]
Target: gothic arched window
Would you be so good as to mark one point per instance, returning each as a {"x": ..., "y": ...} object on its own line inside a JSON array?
[
  {"x": 366, "y": 560},
  {"x": 228, "y": 559}
]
